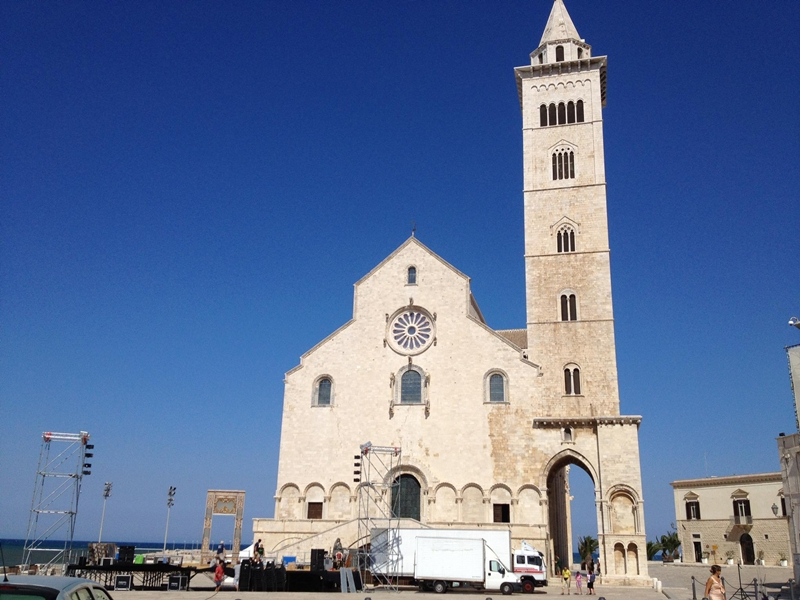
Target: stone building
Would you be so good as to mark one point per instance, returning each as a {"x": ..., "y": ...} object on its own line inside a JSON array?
[
  {"x": 742, "y": 517},
  {"x": 489, "y": 421}
]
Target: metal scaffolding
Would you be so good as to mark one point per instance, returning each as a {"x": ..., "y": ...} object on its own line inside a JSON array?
[
  {"x": 376, "y": 470},
  {"x": 51, "y": 525}
]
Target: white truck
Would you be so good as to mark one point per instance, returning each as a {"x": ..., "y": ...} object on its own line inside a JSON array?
[
  {"x": 442, "y": 563},
  {"x": 394, "y": 551}
]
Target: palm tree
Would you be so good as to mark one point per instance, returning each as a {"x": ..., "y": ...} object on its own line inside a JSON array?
[
  {"x": 586, "y": 547},
  {"x": 652, "y": 549},
  {"x": 670, "y": 543}
]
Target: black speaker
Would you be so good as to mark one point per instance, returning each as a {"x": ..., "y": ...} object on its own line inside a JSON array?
[
  {"x": 126, "y": 554},
  {"x": 317, "y": 560},
  {"x": 177, "y": 582},
  {"x": 244, "y": 576}
]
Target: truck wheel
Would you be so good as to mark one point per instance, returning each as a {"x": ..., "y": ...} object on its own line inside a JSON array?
[
  {"x": 506, "y": 589},
  {"x": 528, "y": 586},
  {"x": 440, "y": 587}
]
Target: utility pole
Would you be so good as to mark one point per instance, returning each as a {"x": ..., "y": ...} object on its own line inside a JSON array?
[
  {"x": 106, "y": 494},
  {"x": 170, "y": 503}
]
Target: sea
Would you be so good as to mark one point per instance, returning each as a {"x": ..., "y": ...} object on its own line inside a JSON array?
[{"x": 12, "y": 549}]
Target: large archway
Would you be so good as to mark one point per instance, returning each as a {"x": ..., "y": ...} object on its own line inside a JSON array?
[{"x": 559, "y": 506}]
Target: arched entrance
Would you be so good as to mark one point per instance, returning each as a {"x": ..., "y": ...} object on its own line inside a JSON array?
[
  {"x": 748, "y": 551},
  {"x": 559, "y": 507},
  {"x": 406, "y": 497}
]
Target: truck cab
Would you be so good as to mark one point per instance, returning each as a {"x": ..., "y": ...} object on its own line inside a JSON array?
[{"x": 530, "y": 565}]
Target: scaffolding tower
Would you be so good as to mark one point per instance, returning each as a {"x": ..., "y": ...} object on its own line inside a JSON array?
[
  {"x": 54, "y": 508},
  {"x": 376, "y": 471}
]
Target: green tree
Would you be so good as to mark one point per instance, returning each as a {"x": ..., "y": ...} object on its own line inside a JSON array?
[
  {"x": 586, "y": 546},
  {"x": 652, "y": 549},
  {"x": 670, "y": 542}
]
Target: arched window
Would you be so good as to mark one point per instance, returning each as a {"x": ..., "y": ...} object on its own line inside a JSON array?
[
  {"x": 567, "y": 434},
  {"x": 551, "y": 112},
  {"x": 559, "y": 53},
  {"x": 497, "y": 388},
  {"x": 569, "y": 307},
  {"x": 411, "y": 388},
  {"x": 566, "y": 239},
  {"x": 570, "y": 112},
  {"x": 563, "y": 164},
  {"x": 579, "y": 110},
  {"x": 323, "y": 392},
  {"x": 572, "y": 381},
  {"x": 406, "y": 497},
  {"x": 562, "y": 113},
  {"x": 543, "y": 116},
  {"x": 412, "y": 275}
]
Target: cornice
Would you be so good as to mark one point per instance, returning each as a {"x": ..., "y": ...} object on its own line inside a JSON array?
[
  {"x": 729, "y": 480},
  {"x": 558, "y": 422}
]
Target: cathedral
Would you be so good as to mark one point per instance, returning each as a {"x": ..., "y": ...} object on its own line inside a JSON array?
[{"x": 488, "y": 422}]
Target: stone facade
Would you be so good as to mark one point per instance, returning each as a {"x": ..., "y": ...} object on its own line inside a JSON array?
[
  {"x": 789, "y": 454},
  {"x": 489, "y": 422},
  {"x": 723, "y": 518}
]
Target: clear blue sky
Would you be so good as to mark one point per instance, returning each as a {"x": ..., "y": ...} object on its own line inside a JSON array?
[{"x": 188, "y": 191}]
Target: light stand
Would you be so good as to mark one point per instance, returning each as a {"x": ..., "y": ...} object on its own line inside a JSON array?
[
  {"x": 106, "y": 494},
  {"x": 170, "y": 503},
  {"x": 740, "y": 593}
]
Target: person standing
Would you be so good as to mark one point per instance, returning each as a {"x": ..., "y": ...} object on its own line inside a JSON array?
[
  {"x": 221, "y": 550},
  {"x": 590, "y": 584},
  {"x": 715, "y": 590},
  {"x": 566, "y": 580},
  {"x": 579, "y": 583}
]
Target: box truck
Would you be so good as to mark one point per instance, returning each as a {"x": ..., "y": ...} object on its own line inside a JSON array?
[
  {"x": 441, "y": 563},
  {"x": 393, "y": 552}
]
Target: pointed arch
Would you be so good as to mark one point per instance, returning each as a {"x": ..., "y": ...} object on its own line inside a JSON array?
[{"x": 568, "y": 456}]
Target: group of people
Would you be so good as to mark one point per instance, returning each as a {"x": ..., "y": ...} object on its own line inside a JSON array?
[
  {"x": 219, "y": 569},
  {"x": 590, "y": 576}
]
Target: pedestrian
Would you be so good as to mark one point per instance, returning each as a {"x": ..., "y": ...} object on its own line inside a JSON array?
[
  {"x": 257, "y": 547},
  {"x": 237, "y": 570},
  {"x": 566, "y": 580},
  {"x": 590, "y": 584},
  {"x": 221, "y": 549},
  {"x": 219, "y": 575},
  {"x": 579, "y": 582},
  {"x": 715, "y": 590}
]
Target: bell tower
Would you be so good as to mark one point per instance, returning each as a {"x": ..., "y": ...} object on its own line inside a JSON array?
[{"x": 570, "y": 318}]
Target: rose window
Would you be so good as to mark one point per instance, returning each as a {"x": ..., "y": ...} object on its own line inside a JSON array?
[{"x": 411, "y": 331}]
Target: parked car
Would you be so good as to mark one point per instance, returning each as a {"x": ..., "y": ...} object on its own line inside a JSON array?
[{"x": 41, "y": 587}]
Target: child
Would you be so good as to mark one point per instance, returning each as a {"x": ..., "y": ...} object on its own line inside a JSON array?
[
  {"x": 578, "y": 582},
  {"x": 590, "y": 584}
]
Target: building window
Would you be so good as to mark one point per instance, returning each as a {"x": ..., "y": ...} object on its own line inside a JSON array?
[
  {"x": 579, "y": 110},
  {"x": 570, "y": 112},
  {"x": 572, "y": 381},
  {"x": 580, "y": 52},
  {"x": 693, "y": 510},
  {"x": 551, "y": 114},
  {"x": 559, "y": 53},
  {"x": 323, "y": 392},
  {"x": 501, "y": 513},
  {"x": 783, "y": 506},
  {"x": 412, "y": 275},
  {"x": 497, "y": 388},
  {"x": 741, "y": 511},
  {"x": 406, "y": 497},
  {"x": 569, "y": 307},
  {"x": 562, "y": 113},
  {"x": 568, "y": 434},
  {"x": 566, "y": 239},
  {"x": 563, "y": 164},
  {"x": 411, "y": 388},
  {"x": 543, "y": 115},
  {"x": 541, "y": 58},
  {"x": 315, "y": 510}
]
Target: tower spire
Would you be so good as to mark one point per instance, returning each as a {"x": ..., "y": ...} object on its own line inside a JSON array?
[{"x": 559, "y": 25}]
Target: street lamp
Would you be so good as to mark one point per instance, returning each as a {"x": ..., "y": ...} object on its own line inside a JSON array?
[
  {"x": 170, "y": 503},
  {"x": 794, "y": 322},
  {"x": 106, "y": 494}
]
